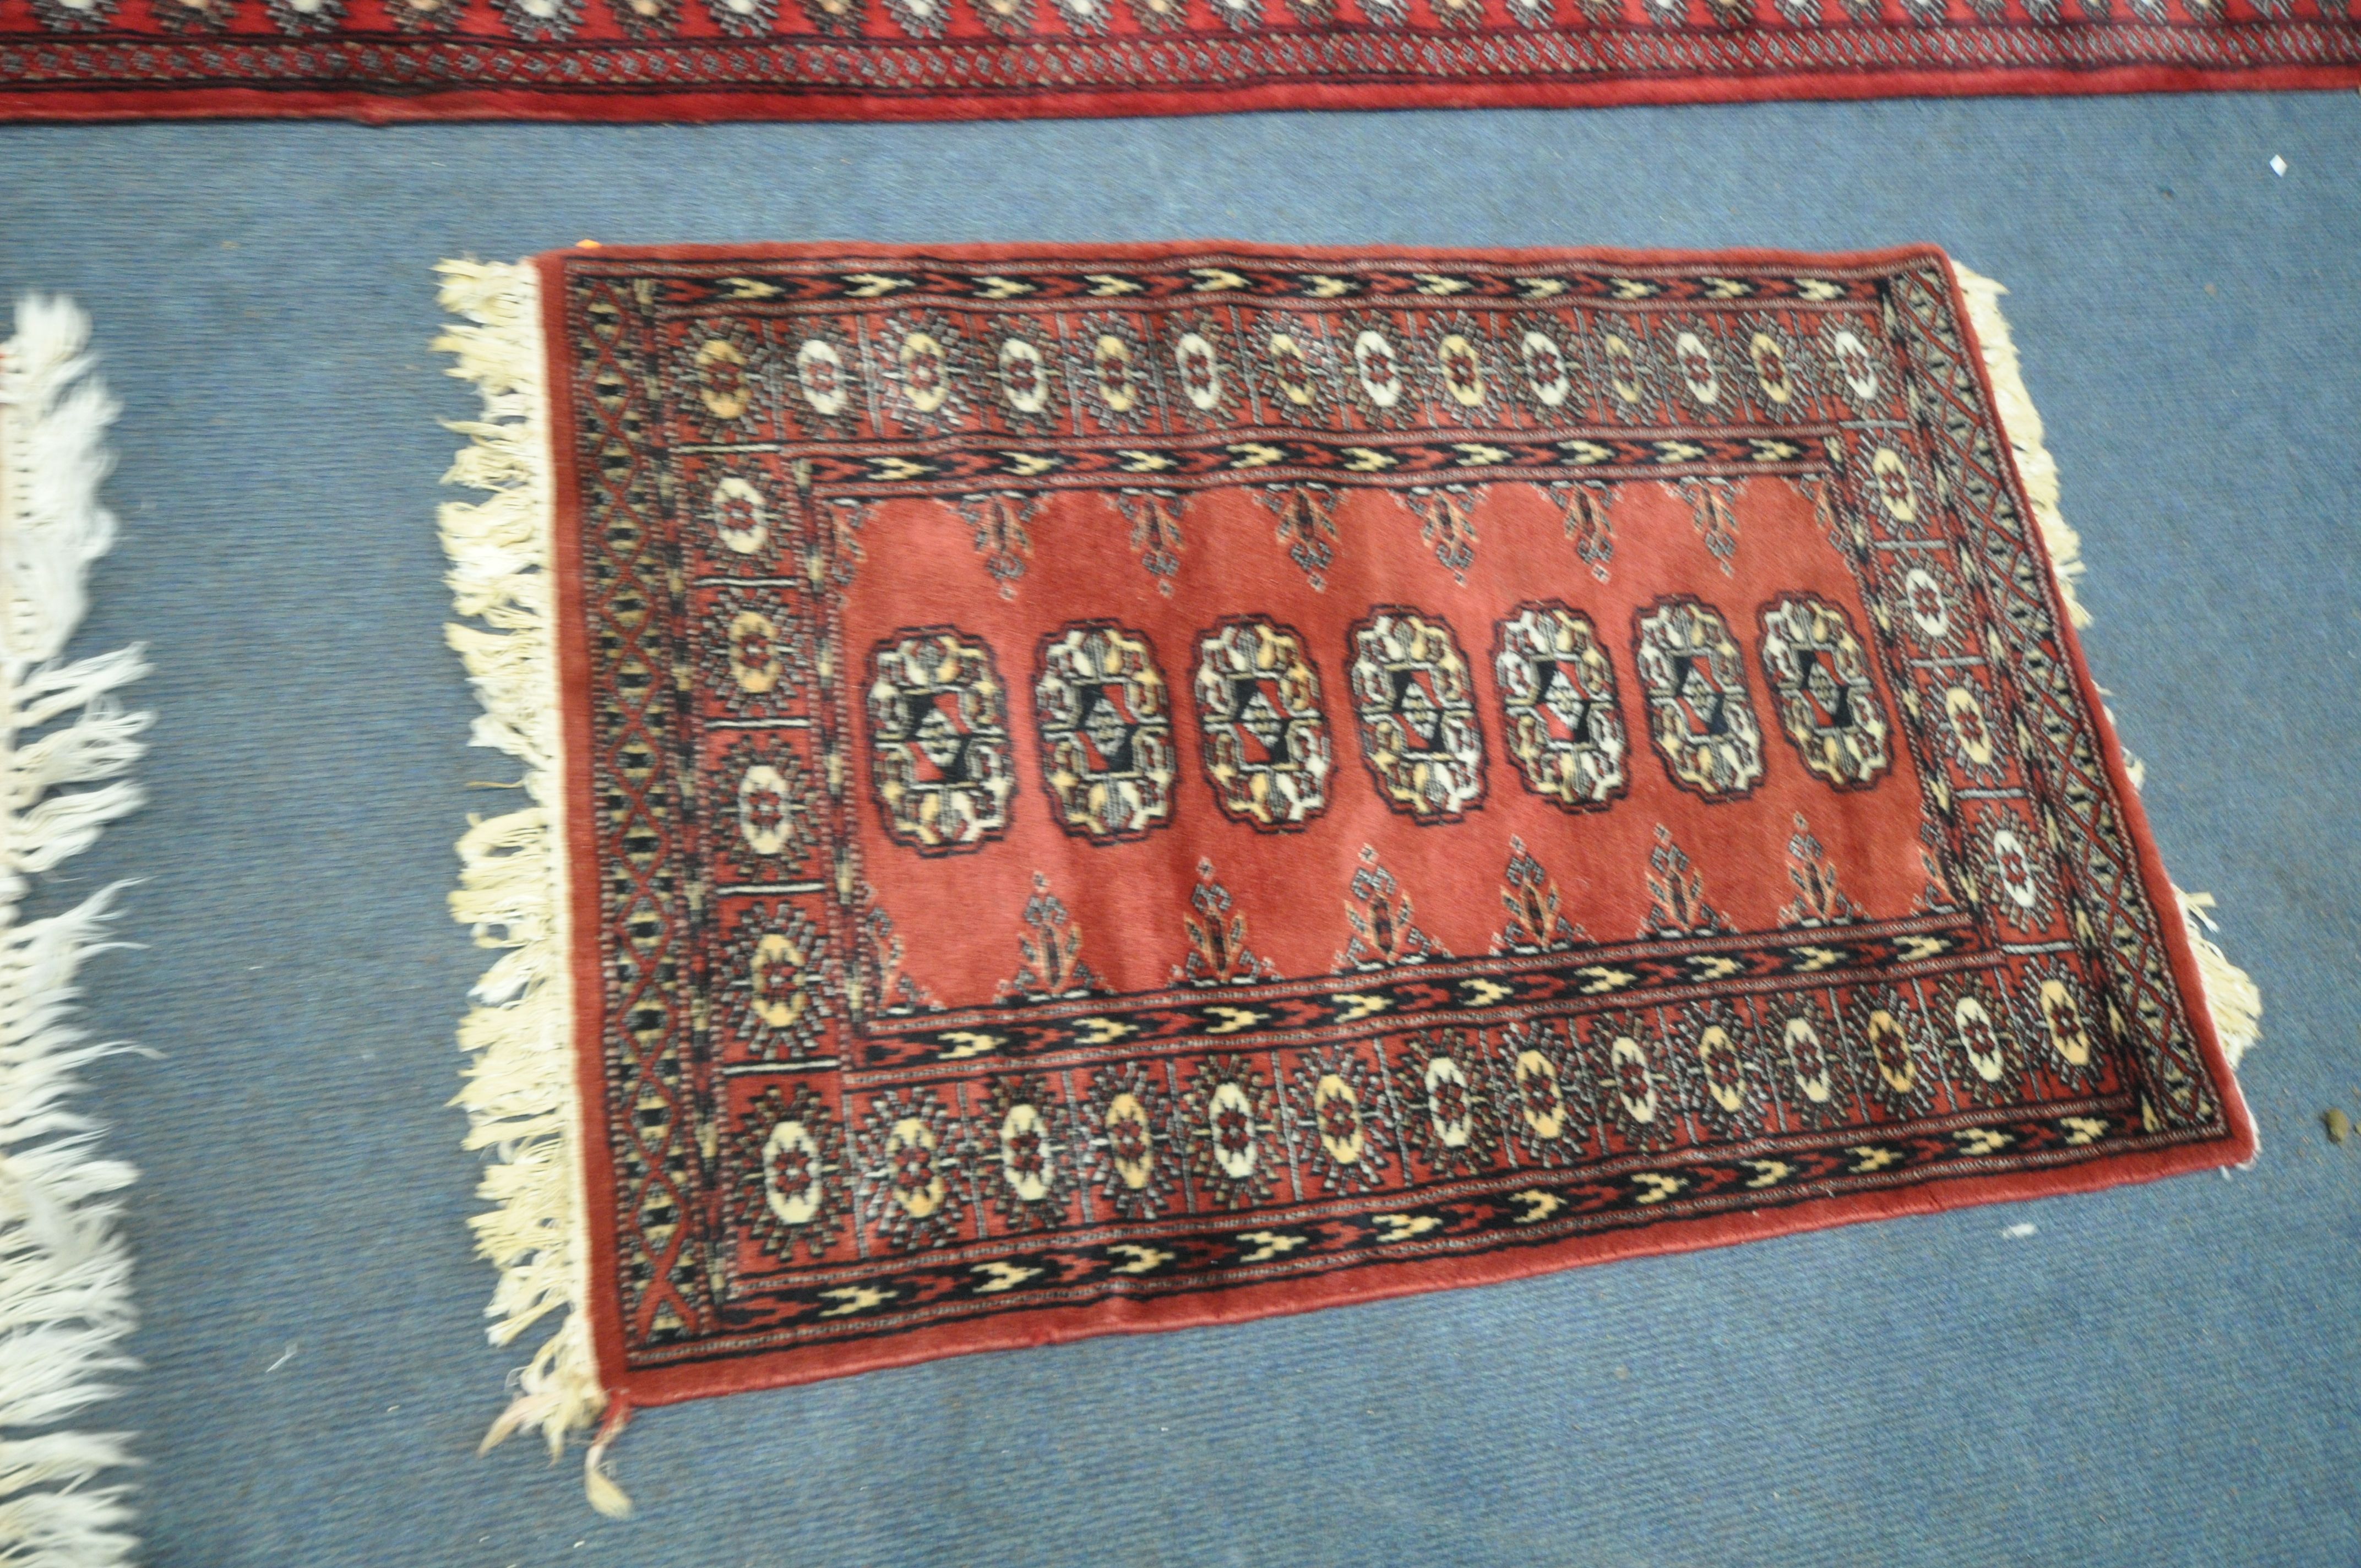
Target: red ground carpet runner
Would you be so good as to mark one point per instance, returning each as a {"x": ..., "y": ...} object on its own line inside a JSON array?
[
  {"x": 652, "y": 59},
  {"x": 1120, "y": 788}
]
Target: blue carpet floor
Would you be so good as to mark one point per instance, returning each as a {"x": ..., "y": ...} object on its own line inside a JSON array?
[{"x": 2159, "y": 1375}]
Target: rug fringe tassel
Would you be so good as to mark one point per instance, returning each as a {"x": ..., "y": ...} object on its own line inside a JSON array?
[
  {"x": 520, "y": 1091},
  {"x": 2231, "y": 994},
  {"x": 65, "y": 744},
  {"x": 605, "y": 1495},
  {"x": 2234, "y": 1000}
]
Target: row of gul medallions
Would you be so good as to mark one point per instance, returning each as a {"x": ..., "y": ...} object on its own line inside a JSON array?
[
  {"x": 930, "y": 373},
  {"x": 942, "y": 765},
  {"x": 1461, "y": 1102}
]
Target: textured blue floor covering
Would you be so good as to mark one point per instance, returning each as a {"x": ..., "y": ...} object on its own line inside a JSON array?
[{"x": 2161, "y": 1374}]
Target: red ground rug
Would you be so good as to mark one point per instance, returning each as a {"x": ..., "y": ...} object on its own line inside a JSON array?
[
  {"x": 706, "y": 60},
  {"x": 1118, "y": 788}
]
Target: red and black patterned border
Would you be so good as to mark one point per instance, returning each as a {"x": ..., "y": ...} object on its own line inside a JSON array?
[{"x": 711, "y": 60}]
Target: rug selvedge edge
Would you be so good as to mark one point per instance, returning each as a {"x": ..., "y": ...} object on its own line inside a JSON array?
[{"x": 2231, "y": 994}]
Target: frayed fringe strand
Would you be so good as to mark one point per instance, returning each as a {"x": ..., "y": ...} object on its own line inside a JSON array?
[
  {"x": 520, "y": 1093},
  {"x": 65, "y": 744},
  {"x": 2236, "y": 1000},
  {"x": 2231, "y": 996}
]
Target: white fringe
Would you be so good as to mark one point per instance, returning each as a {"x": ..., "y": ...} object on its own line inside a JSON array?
[
  {"x": 520, "y": 1092},
  {"x": 65, "y": 1269},
  {"x": 2230, "y": 992},
  {"x": 2234, "y": 1000}
]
